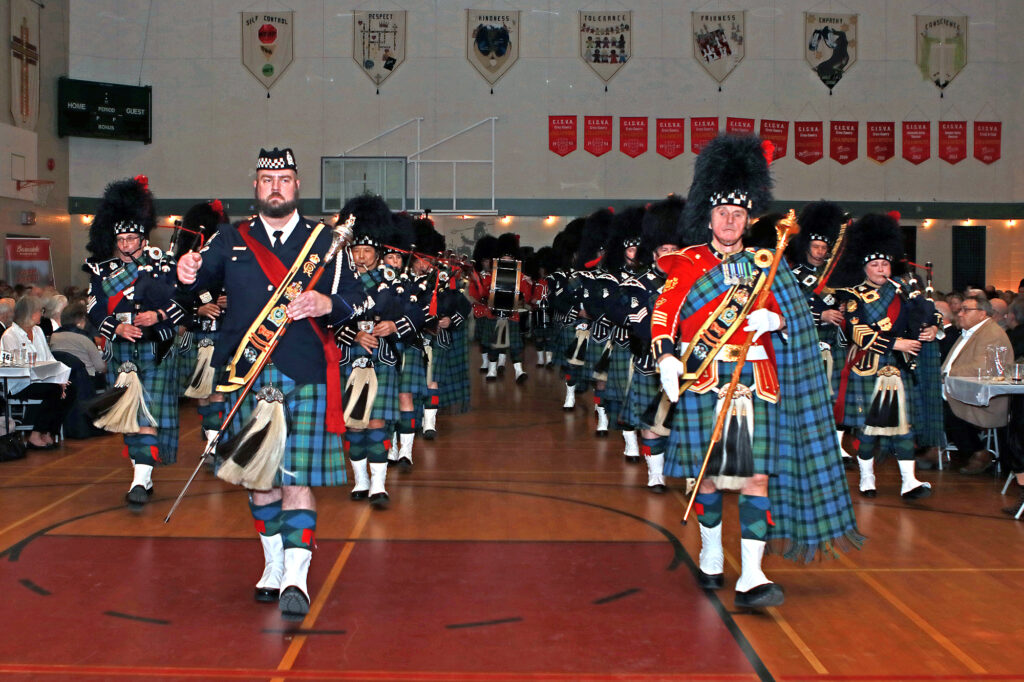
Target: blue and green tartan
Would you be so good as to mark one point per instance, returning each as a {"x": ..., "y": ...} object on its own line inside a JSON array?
[
  {"x": 186, "y": 362},
  {"x": 483, "y": 330},
  {"x": 515, "y": 341},
  {"x": 643, "y": 389},
  {"x": 117, "y": 282},
  {"x": 413, "y": 375},
  {"x": 385, "y": 404},
  {"x": 926, "y": 403},
  {"x": 451, "y": 371},
  {"x": 160, "y": 382},
  {"x": 617, "y": 389},
  {"x": 312, "y": 455},
  {"x": 810, "y": 500}
]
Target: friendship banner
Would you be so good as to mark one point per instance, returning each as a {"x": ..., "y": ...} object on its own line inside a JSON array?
[
  {"x": 492, "y": 41},
  {"x": 917, "y": 141},
  {"x": 831, "y": 41},
  {"x": 633, "y": 135},
  {"x": 808, "y": 145},
  {"x": 844, "y": 138},
  {"x": 880, "y": 139},
  {"x": 562, "y": 134},
  {"x": 606, "y": 41},
  {"x": 941, "y": 48},
  {"x": 597, "y": 134},
  {"x": 987, "y": 140},
  {"x": 267, "y": 44},
  {"x": 952, "y": 141},
  {"x": 670, "y": 137},
  {"x": 378, "y": 42},
  {"x": 778, "y": 133},
  {"x": 718, "y": 39},
  {"x": 739, "y": 126},
  {"x": 702, "y": 131}
]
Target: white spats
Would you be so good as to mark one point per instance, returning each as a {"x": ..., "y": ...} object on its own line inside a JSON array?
[
  {"x": 632, "y": 450},
  {"x": 378, "y": 475},
  {"x": 520, "y": 372},
  {"x": 273, "y": 563},
  {"x": 867, "y": 474},
  {"x": 712, "y": 558},
  {"x": 393, "y": 450},
  {"x": 570, "y": 397},
  {"x": 360, "y": 477},
  {"x": 602, "y": 420},
  {"x": 910, "y": 480},
  {"x": 429, "y": 422},
  {"x": 655, "y": 472},
  {"x": 492, "y": 370},
  {"x": 484, "y": 363},
  {"x": 751, "y": 553},
  {"x": 296, "y": 567},
  {"x": 405, "y": 448},
  {"x": 142, "y": 475}
]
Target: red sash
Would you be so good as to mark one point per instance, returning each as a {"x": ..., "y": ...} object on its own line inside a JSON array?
[
  {"x": 275, "y": 271},
  {"x": 839, "y": 408}
]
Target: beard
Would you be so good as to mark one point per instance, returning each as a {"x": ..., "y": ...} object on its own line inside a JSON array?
[{"x": 282, "y": 210}]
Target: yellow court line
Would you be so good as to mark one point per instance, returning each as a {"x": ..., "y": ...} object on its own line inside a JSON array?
[
  {"x": 920, "y": 622},
  {"x": 50, "y": 506},
  {"x": 321, "y": 598}
]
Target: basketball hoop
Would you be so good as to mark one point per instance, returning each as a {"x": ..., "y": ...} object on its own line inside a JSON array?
[{"x": 43, "y": 189}]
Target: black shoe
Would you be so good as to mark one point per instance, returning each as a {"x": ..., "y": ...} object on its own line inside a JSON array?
[
  {"x": 392, "y": 462},
  {"x": 380, "y": 500},
  {"x": 267, "y": 595},
  {"x": 359, "y": 495},
  {"x": 658, "y": 488},
  {"x": 919, "y": 493},
  {"x": 872, "y": 494},
  {"x": 601, "y": 434},
  {"x": 635, "y": 459},
  {"x": 494, "y": 378},
  {"x": 293, "y": 603},
  {"x": 137, "y": 497},
  {"x": 429, "y": 435},
  {"x": 707, "y": 581},
  {"x": 405, "y": 465},
  {"x": 501, "y": 370},
  {"x": 761, "y": 597},
  {"x": 521, "y": 379}
]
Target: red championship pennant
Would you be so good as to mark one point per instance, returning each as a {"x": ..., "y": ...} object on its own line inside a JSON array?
[
  {"x": 988, "y": 137},
  {"x": 562, "y": 134},
  {"x": 702, "y": 130},
  {"x": 740, "y": 126},
  {"x": 917, "y": 141},
  {"x": 777, "y": 132},
  {"x": 844, "y": 138},
  {"x": 670, "y": 137},
  {"x": 880, "y": 140},
  {"x": 952, "y": 141},
  {"x": 633, "y": 135},
  {"x": 597, "y": 134},
  {"x": 807, "y": 141}
]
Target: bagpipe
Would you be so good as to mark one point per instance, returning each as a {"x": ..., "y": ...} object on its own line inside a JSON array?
[{"x": 919, "y": 307}]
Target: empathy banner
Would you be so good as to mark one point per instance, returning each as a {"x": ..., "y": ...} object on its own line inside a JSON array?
[
  {"x": 28, "y": 261},
  {"x": 267, "y": 44},
  {"x": 702, "y": 130},
  {"x": 808, "y": 145},
  {"x": 917, "y": 141},
  {"x": 562, "y": 134},
  {"x": 844, "y": 137},
  {"x": 378, "y": 42},
  {"x": 831, "y": 41},
  {"x": 597, "y": 134},
  {"x": 952, "y": 141},
  {"x": 671, "y": 134},
  {"x": 633, "y": 135},
  {"x": 880, "y": 140},
  {"x": 987, "y": 141},
  {"x": 778, "y": 133},
  {"x": 606, "y": 41}
]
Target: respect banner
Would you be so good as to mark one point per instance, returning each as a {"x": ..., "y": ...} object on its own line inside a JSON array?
[{"x": 28, "y": 261}]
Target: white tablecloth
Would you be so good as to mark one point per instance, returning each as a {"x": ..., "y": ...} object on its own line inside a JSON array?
[
  {"x": 974, "y": 392},
  {"x": 18, "y": 377}
]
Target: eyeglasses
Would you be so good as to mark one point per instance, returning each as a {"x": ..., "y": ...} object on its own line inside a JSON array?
[{"x": 964, "y": 309}]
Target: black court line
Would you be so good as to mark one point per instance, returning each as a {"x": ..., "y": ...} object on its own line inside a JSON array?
[
  {"x": 35, "y": 588},
  {"x": 483, "y": 623},
  {"x": 615, "y": 597},
  {"x": 141, "y": 619},
  {"x": 300, "y": 631}
]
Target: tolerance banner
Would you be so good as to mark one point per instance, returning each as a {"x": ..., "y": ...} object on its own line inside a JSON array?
[
  {"x": 492, "y": 42},
  {"x": 987, "y": 141},
  {"x": 605, "y": 41},
  {"x": 952, "y": 141},
  {"x": 633, "y": 135},
  {"x": 778, "y": 133},
  {"x": 718, "y": 41},
  {"x": 808, "y": 145},
  {"x": 597, "y": 134},
  {"x": 917, "y": 141},
  {"x": 562, "y": 134},
  {"x": 378, "y": 42},
  {"x": 702, "y": 131},
  {"x": 671, "y": 137},
  {"x": 267, "y": 44},
  {"x": 880, "y": 140},
  {"x": 831, "y": 41},
  {"x": 941, "y": 48},
  {"x": 844, "y": 138}
]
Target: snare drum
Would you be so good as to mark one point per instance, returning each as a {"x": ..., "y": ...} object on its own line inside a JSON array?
[{"x": 506, "y": 277}]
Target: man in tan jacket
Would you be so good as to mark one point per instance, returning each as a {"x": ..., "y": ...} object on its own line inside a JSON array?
[{"x": 964, "y": 422}]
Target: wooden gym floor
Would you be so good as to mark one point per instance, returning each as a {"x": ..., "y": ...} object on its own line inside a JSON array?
[{"x": 519, "y": 548}]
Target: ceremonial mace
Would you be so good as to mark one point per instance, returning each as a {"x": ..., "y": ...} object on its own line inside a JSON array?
[
  {"x": 342, "y": 236},
  {"x": 784, "y": 229}
]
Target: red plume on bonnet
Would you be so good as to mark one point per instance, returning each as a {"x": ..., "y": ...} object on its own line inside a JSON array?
[
  {"x": 218, "y": 208},
  {"x": 142, "y": 180},
  {"x": 768, "y": 148},
  {"x": 895, "y": 215}
]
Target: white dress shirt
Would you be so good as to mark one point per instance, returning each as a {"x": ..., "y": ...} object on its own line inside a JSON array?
[
  {"x": 14, "y": 339},
  {"x": 285, "y": 229}
]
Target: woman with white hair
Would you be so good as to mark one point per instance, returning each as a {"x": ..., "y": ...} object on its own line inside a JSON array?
[
  {"x": 53, "y": 306},
  {"x": 25, "y": 335}
]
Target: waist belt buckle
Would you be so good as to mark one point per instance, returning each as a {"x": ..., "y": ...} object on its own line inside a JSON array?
[
  {"x": 729, "y": 353},
  {"x": 360, "y": 363}
]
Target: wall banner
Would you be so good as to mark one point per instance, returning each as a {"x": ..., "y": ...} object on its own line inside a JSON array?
[
  {"x": 702, "y": 130},
  {"x": 739, "y": 126},
  {"x": 917, "y": 141},
  {"x": 562, "y": 134},
  {"x": 808, "y": 145},
  {"x": 952, "y": 141},
  {"x": 267, "y": 44},
  {"x": 492, "y": 41},
  {"x": 606, "y": 41},
  {"x": 831, "y": 41},
  {"x": 941, "y": 48},
  {"x": 25, "y": 63},
  {"x": 844, "y": 138},
  {"x": 987, "y": 141},
  {"x": 718, "y": 41},
  {"x": 28, "y": 261},
  {"x": 670, "y": 137},
  {"x": 880, "y": 140},
  {"x": 597, "y": 134},
  {"x": 378, "y": 42},
  {"x": 778, "y": 133},
  {"x": 633, "y": 135}
]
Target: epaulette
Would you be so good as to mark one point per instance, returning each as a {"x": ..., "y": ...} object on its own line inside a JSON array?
[{"x": 101, "y": 268}]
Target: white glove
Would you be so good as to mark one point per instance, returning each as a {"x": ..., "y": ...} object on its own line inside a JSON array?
[
  {"x": 671, "y": 368},
  {"x": 762, "y": 320}
]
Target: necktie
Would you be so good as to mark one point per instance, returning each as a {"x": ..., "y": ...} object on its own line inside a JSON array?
[{"x": 277, "y": 238}]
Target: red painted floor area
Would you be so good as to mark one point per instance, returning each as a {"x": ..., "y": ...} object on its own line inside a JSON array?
[{"x": 510, "y": 608}]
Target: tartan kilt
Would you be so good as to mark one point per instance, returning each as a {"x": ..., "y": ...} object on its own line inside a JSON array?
[
  {"x": 312, "y": 455},
  {"x": 186, "y": 362},
  {"x": 451, "y": 370},
  {"x": 861, "y": 389},
  {"x": 413, "y": 375},
  {"x": 595, "y": 349},
  {"x": 564, "y": 336},
  {"x": 385, "y": 404},
  {"x": 617, "y": 387},
  {"x": 695, "y": 419},
  {"x": 483, "y": 331},
  {"x": 546, "y": 338},
  {"x": 926, "y": 404},
  {"x": 162, "y": 388},
  {"x": 643, "y": 390}
]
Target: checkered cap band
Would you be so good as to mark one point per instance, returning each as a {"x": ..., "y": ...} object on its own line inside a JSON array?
[
  {"x": 276, "y": 159},
  {"x": 877, "y": 255},
  {"x": 818, "y": 238},
  {"x": 736, "y": 197},
  {"x": 128, "y": 227},
  {"x": 627, "y": 243},
  {"x": 365, "y": 240}
]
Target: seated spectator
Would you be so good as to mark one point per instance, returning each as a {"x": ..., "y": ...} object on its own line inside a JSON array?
[
  {"x": 1015, "y": 327},
  {"x": 999, "y": 309},
  {"x": 954, "y": 300},
  {"x": 72, "y": 338},
  {"x": 964, "y": 422},
  {"x": 53, "y": 305},
  {"x": 46, "y": 417},
  {"x": 950, "y": 332},
  {"x": 6, "y": 313}
]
